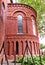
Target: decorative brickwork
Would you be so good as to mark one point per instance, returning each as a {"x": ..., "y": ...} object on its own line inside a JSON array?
[
  {"x": 27, "y": 13},
  {"x": 15, "y": 41}
]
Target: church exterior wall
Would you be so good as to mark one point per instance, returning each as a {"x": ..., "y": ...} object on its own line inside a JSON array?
[{"x": 12, "y": 36}]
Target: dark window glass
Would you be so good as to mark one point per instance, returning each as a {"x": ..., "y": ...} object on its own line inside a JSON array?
[
  {"x": 19, "y": 24},
  {"x": 11, "y": 1},
  {"x": 16, "y": 47}
]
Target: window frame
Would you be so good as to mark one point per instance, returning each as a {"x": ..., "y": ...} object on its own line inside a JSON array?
[
  {"x": 34, "y": 27},
  {"x": 19, "y": 19}
]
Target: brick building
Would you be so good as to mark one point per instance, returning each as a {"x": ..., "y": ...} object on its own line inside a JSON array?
[{"x": 19, "y": 21}]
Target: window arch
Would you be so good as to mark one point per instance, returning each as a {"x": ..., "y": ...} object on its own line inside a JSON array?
[
  {"x": 19, "y": 17},
  {"x": 33, "y": 25}
]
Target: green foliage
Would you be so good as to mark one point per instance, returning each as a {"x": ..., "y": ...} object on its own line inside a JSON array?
[
  {"x": 43, "y": 59},
  {"x": 42, "y": 46},
  {"x": 19, "y": 60},
  {"x": 28, "y": 60}
]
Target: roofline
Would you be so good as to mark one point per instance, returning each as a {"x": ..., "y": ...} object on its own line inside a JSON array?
[{"x": 25, "y": 5}]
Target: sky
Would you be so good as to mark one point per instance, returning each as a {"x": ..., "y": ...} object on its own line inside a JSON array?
[
  {"x": 15, "y": 1},
  {"x": 42, "y": 40}
]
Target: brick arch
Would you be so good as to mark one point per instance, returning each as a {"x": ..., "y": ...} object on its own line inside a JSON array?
[
  {"x": 15, "y": 13},
  {"x": 32, "y": 16},
  {"x": 24, "y": 24}
]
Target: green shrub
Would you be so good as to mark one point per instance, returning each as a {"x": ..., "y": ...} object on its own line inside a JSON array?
[{"x": 28, "y": 60}]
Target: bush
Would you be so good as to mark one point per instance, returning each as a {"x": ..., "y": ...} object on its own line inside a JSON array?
[{"x": 28, "y": 60}]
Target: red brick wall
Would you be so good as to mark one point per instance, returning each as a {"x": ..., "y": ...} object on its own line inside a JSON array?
[
  {"x": 13, "y": 12},
  {"x": 12, "y": 29},
  {"x": 0, "y": 7},
  {"x": 1, "y": 30},
  {"x": 1, "y": 26}
]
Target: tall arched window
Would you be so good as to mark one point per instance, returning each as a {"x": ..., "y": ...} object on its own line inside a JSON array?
[
  {"x": 19, "y": 17},
  {"x": 3, "y": 7},
  {"x": 34, "y": 27}
]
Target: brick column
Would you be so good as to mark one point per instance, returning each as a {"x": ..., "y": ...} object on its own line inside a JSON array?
[
  {"x": 33, "y": 48},
  {"x": 24, "y": 25},
  {"x": 30, "y": 46},
  {"x": 14, "y": 46},
  {"x": 24, "y": 45},
  {"x": 10, "y": 48},
  {"x": 20, "y": 48},
  {"x": 7, "y": 47},
  {"x": 36, "y": 48}
]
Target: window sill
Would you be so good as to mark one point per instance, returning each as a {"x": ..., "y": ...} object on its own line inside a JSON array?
[{"x": 20, "y": 33}]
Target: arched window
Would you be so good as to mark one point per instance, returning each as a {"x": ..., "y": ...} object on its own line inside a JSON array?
[
  {"x": 34, "y": 27},
  {"x": 3, "y": 7},
  {"x": 19, "y": 17}
]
